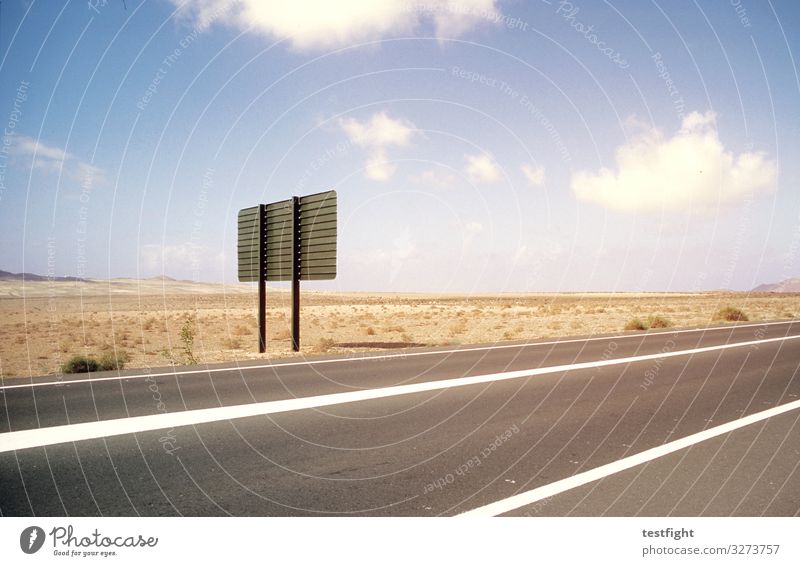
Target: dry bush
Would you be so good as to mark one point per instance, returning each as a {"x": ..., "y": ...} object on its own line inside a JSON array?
[
  {"x": 657, "y": 321},
  {"x": 730, "y": 314},
  {"x": 325, "y": 344},
  {"x": 635, "y": 324}
]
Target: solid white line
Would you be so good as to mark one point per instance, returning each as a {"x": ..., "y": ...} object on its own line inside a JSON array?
[
  {"x": 555, "y": 488},
  {"x": 47, "y": 436},
  {"x": 386, "y": 356}
]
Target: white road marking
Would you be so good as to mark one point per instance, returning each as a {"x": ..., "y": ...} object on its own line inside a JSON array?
[
  {"x": 555, "y": 488},
  {"x": 384, "y": 356},
  {"x": 19, "y": 440}
]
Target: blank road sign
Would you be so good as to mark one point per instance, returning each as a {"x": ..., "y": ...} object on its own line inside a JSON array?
[
  {"x": 317, "y": 229},
  {"x": 249, "y": 243},
  {"x": 273, "y": 238},
  {"x": 278, "y": 240}
]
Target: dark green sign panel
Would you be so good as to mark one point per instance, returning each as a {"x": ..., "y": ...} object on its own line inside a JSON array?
[
  {"x": 289, "y": 240},
  {"x": 317, "y": 228},
  {"x": 273, "y": 236},
  {"x": 249, "y": 246}
]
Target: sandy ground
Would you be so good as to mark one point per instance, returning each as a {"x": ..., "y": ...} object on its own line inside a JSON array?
[{"x": 44, "y": 324}]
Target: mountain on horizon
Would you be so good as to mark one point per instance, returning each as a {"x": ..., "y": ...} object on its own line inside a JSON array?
[
  {"x": 8, "y": 276},
  {"x": 791, "y": 285}
]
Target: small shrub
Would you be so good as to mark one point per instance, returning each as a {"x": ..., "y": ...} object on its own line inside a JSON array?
[
  {"x": 369, "y": 331},
  {"x": 325, "y": 344},
  {"x": 658, "y": 322},
  {"x": 731, "y": 314},
  {"x": 80, "y": 364},
  {"x": 635, "y": 324},
  {"x": 113, "y": 361},
  {"x": 187, "y": 337}
]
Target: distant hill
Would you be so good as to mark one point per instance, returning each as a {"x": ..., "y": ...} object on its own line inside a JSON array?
[
  {"x": 791, "y": 285},
  {"x": 8, "y": 276}
]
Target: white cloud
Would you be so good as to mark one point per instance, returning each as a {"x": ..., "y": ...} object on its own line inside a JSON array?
[
  {"x": 324, "y": 24},
  {"x": 380, "y": 130},
  {"x": 378, "y": 168},
  {"x": 375, "y": 135},
  {"x": 434, "y": 179},
  {"x": 535, "y": 175},
  {"x": 482, "y": 168},
  {"x": 42, "y": 151},
  {"x": 455, "y": 17},
  {"x": 52, "y": 159},
  {"x": 690, "y": 169}
]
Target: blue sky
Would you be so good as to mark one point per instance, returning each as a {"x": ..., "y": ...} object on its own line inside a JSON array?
[{"x": 476, "y": 146}]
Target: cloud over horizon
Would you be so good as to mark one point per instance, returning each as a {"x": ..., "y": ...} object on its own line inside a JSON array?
[
  {"x": 534, "y": 174},
  {"x": 321, "y": 24},
  {"x": 375, "y": 135},
  {"x": 481, "y": 168},
  {"x": 52, "y": 159},
  {"x": 689, "y": 170}
]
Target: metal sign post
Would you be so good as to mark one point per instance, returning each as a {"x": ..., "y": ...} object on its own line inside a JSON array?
[
  {"x": 296, "y": 274},
  {"x": 262, "y": 285},
  {"x": 289, "y": 240}
]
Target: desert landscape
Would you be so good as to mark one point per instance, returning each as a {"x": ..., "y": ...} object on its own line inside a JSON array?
[{"x": 158, "y": 322}]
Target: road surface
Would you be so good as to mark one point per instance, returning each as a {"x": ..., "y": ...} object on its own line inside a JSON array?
[{"x": 688, "y": 422}]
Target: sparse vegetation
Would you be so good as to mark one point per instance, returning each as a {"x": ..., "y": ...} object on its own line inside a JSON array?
[
  {"x": 730, "y": 314},
  {"x": 657, "y": 321},
  {"x": 80, "y": 364},
  {"x": 635, "y": 324},
  {"x": 187, "y": 338},
  {"x": 113, "y": 360},
  {"x": 142, "y": 326}
]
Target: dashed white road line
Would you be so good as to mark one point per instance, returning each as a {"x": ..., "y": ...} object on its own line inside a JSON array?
[
  {"x": 19, "y": 440},
  {"x": 382, "y": 357},
  {"x": 555, "y": 488}
]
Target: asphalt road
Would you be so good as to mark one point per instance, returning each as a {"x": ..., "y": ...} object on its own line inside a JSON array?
[{"x": 421, "y": 450}]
